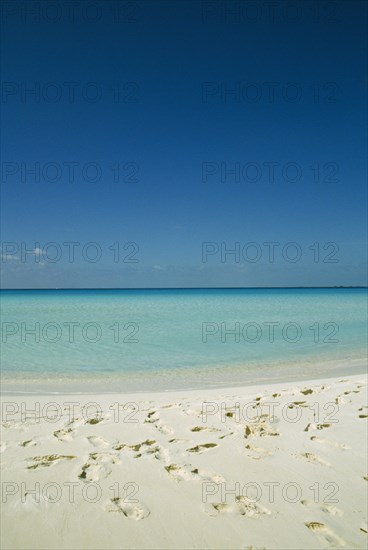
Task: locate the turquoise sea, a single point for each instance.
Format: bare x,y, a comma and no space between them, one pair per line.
112,340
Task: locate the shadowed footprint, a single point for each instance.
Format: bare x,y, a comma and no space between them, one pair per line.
332,510
29,443
203,428
47,460
65,434
200,448
98,466
241,506
94,421
131,510
180,473
313,426
329,442
261,428
96,441
186,472
138,447
257,452
251,509
326,508
314,459
213,509
307,391
325,534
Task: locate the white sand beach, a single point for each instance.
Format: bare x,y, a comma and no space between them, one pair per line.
278,466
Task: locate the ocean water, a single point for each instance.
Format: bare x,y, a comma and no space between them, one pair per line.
109,340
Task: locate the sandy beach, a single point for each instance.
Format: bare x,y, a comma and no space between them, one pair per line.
277,466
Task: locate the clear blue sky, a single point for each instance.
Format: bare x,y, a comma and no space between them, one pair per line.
174,63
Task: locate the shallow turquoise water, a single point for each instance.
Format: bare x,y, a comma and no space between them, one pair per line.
104,333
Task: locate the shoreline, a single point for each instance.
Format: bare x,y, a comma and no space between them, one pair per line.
184,379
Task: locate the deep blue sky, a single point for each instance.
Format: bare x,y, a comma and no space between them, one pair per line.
173,118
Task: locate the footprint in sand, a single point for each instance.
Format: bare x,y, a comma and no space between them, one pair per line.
184,472
149,419
251,509
313,426
131,510
200,448
67,432
329,442
226,435
194,412
64,434
98,467
299,404
75,422
93,421
307,391
47,460
242,506
204,428
326,508
162,428
332,510
28,443
213,509
325,534
340,400
261,428
314,459
146,447
257,452
187,472
96,441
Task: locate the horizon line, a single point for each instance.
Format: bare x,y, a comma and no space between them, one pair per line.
193,288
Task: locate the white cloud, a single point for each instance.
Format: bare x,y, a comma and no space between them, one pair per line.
9,257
